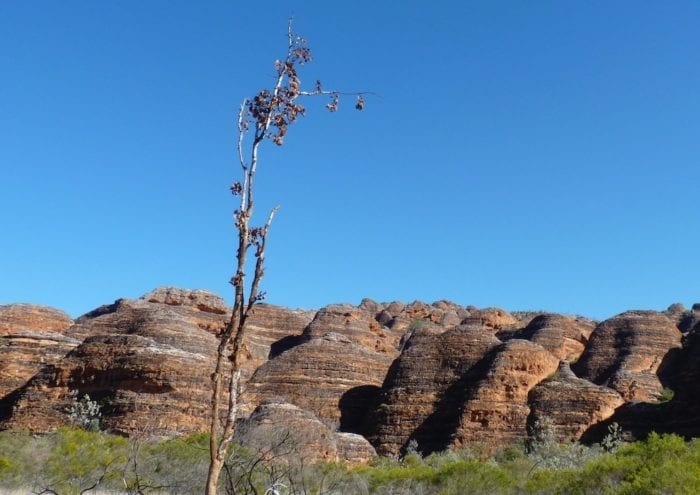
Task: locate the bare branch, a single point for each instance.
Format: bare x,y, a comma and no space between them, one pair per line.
269,115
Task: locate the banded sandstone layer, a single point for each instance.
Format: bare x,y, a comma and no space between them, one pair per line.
440,375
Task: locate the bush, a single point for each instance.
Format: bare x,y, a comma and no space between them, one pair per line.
80,459
666,395
85,414
70,460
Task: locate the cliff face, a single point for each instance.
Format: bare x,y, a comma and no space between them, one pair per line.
571,404
564,336
632,353
417,402
147,362
439,374
29,317
31,337
318,375
496,407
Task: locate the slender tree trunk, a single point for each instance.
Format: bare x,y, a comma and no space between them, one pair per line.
215,467
268,115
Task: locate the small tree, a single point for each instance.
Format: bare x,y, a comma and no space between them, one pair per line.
267,116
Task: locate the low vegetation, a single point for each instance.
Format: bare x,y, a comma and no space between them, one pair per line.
73,461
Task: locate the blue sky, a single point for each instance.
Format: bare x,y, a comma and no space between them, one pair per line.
527,155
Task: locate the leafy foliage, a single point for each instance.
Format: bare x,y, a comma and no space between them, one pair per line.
85,413
70,461
666,395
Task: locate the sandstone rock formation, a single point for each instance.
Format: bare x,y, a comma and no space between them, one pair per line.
317,375
270,331
494,319
202,300
278,429
400,317
147,364
29,317
417,388
631,353
685,319
357,325
440,374
564,336
571,404
24,353
148,314
147,361
31,337
496,408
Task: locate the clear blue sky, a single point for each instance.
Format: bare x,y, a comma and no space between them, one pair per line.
527,155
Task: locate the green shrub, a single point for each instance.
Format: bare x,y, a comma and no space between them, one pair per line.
666,395
80,459
70,460
9,471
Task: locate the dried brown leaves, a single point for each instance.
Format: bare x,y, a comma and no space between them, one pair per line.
271,113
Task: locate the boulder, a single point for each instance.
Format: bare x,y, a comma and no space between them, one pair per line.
286,433
317,375
353,449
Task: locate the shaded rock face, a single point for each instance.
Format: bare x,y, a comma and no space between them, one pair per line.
687,380
317,375
685,319
283,430
571,405
564,336
631,353
415,391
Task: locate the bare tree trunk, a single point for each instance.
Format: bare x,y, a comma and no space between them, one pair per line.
268,115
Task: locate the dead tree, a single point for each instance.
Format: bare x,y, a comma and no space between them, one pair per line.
267,116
